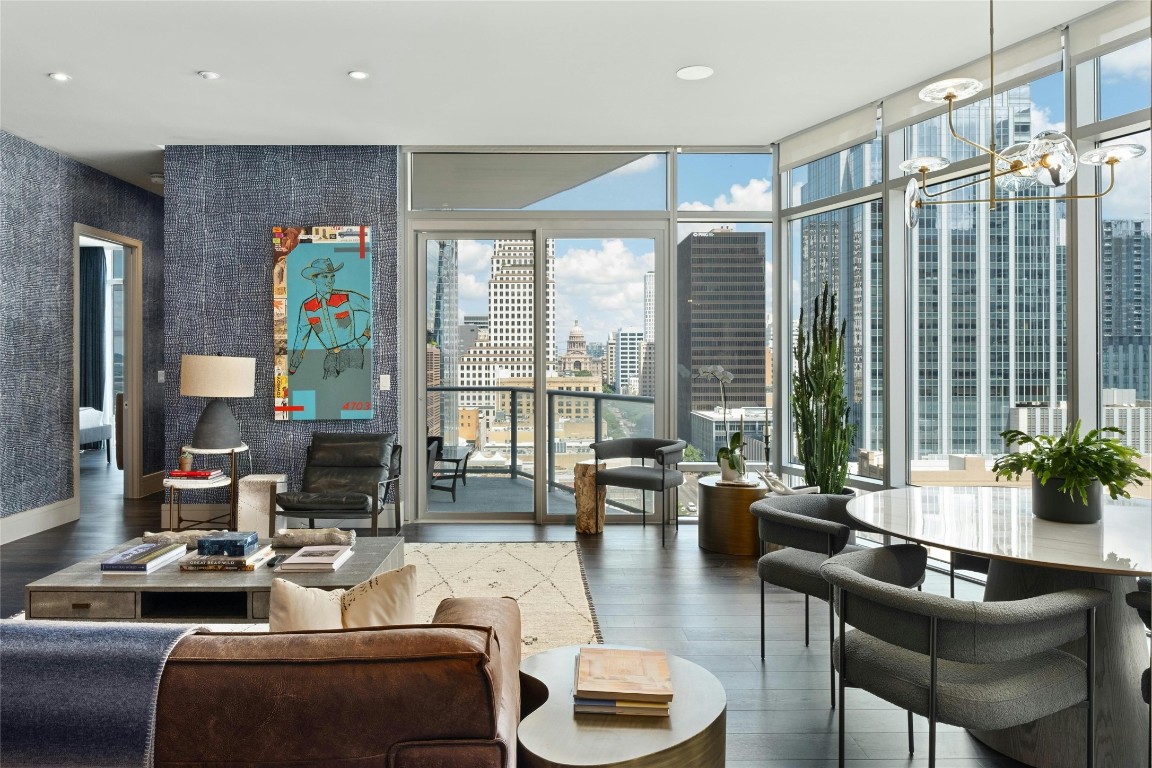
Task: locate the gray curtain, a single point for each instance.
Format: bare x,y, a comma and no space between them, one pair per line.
92,277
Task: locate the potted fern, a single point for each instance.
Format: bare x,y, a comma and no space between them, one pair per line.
819,406
1068,471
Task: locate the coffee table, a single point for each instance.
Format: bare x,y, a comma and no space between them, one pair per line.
552,735
81,591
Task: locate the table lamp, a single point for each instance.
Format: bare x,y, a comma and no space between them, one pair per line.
216,376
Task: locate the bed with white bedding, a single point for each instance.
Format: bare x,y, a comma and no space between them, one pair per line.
94,430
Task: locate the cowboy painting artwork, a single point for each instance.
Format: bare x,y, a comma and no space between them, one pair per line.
322,315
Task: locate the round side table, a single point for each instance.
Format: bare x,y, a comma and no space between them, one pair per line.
725,524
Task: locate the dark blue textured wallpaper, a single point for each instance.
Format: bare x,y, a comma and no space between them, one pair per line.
221,204
42,194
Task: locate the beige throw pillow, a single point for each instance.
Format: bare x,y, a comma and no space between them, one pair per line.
389,598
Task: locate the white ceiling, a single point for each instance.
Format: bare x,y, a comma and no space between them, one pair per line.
469,72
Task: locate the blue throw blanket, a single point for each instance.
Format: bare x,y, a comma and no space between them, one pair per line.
81,693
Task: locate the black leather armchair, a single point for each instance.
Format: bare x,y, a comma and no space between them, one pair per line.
345,476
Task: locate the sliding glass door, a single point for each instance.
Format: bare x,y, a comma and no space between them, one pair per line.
535,346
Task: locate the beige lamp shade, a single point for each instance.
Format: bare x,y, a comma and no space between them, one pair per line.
217,376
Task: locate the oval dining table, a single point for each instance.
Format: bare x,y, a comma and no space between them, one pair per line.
1028,557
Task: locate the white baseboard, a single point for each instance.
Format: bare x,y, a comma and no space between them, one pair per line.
14,527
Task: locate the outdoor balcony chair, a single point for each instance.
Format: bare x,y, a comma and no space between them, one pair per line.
978,665
443,472
658,477
345,476
961,561
811,528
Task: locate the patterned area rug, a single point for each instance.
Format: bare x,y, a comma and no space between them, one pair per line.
547,579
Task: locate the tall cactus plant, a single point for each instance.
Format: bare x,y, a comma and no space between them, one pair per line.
819,405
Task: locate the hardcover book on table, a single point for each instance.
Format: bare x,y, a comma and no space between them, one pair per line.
583,706
619,675
143,558
325,557
194,561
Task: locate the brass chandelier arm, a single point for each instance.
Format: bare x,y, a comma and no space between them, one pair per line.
1026,198
958,137
924,184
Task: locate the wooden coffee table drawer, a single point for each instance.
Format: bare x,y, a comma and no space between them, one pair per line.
82,605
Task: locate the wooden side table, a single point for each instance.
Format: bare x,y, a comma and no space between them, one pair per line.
177,486
589,497
725,524
551,735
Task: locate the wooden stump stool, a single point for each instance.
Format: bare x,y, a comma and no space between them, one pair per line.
589,498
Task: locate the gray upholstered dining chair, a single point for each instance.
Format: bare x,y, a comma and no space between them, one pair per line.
971,664
346,475
659,476
811,527
1141,600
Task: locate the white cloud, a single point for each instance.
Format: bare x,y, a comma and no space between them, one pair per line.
640,165
756,195
1129,63
474,256
1042,120
603,288
1129,199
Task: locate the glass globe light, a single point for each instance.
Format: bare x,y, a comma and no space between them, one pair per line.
920,164
912,198
956,87
1053,156
1023,177
1113,152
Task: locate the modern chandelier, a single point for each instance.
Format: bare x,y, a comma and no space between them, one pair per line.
1048,160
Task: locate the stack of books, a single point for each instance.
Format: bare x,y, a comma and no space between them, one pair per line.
195,475
143,558
194,561
327,557
611,681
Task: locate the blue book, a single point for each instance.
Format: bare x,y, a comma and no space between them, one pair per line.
227,544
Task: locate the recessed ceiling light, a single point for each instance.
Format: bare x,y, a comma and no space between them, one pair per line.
59,77
358,75
209,75
157,178
694,72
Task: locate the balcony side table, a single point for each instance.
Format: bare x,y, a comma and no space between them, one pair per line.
177,486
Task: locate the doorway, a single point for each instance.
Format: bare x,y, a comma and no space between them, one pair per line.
107,366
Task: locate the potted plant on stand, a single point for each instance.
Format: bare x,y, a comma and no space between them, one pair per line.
819,406
730,457
1068,471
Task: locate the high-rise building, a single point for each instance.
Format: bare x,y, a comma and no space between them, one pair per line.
649,306
1126,307
629,351
508,352
721,295
443,335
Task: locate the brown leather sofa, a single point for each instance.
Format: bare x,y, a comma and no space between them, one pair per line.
427,696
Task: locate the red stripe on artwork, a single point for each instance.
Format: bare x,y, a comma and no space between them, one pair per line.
288,408
363,240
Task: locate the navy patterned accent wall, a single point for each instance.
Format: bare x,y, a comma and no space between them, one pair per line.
42,194
221,203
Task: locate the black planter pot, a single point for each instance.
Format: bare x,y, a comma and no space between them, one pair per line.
1049,503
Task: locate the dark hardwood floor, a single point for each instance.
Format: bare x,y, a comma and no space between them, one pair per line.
699,605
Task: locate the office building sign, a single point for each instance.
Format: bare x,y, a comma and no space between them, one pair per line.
322,322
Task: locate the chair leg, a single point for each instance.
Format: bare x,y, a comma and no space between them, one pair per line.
761,620
843,665
805,621
951,574
831,645
643,509
911,741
